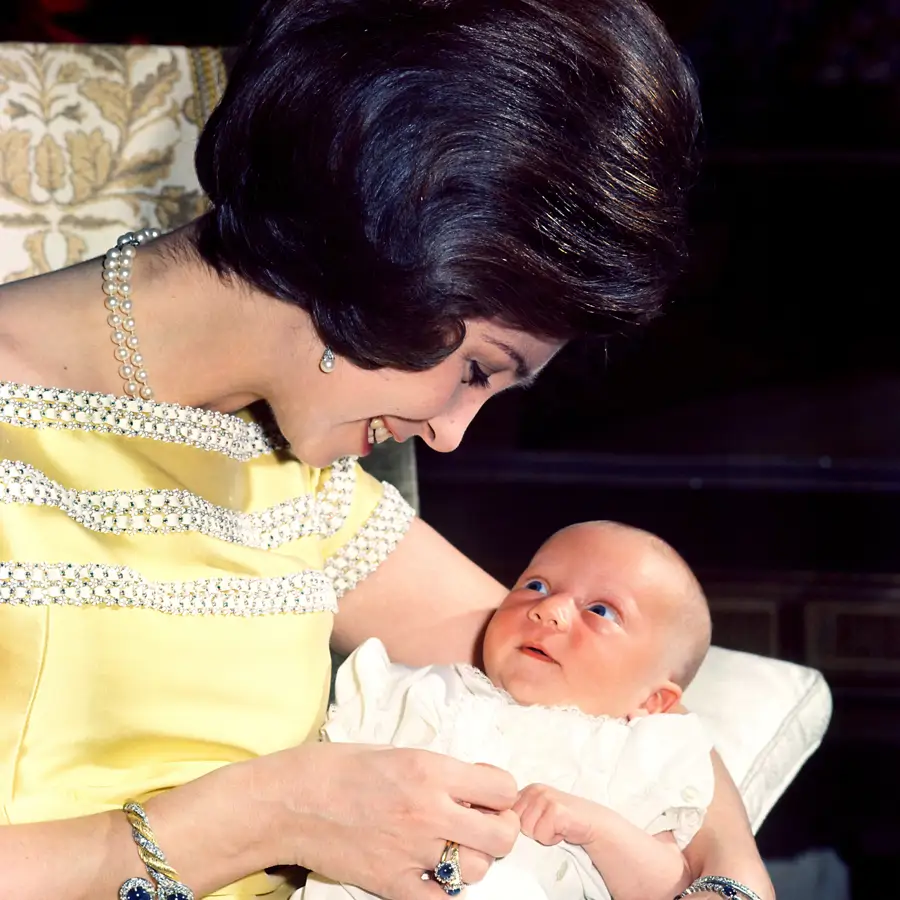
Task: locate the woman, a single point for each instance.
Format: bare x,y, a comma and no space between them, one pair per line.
415,205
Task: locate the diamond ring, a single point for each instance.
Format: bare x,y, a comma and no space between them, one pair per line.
446,872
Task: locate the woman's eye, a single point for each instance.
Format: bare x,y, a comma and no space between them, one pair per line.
535,584
477,376
604,611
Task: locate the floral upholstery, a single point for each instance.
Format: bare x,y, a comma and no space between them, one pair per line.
99,139
95,140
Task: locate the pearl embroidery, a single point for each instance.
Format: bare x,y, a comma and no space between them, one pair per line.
36,407
45,584
372,544
164,512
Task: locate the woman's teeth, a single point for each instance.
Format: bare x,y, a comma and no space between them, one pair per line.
378,432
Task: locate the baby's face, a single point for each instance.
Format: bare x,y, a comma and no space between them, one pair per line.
586,624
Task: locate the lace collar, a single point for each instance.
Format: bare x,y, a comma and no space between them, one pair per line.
480,685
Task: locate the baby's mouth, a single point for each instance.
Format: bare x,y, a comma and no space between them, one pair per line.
537,653
378,431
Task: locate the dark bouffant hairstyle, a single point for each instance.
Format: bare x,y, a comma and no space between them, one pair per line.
396,167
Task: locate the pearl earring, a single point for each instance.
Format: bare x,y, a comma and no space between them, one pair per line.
326,363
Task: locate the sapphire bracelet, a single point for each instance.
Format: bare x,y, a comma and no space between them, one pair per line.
164,883
719,884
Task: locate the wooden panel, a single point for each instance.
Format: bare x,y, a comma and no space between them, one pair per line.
746,624
860,636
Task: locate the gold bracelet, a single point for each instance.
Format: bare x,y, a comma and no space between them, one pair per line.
164,883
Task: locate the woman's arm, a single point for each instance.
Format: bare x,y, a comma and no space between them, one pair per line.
209,829
427,602
375,817
725,844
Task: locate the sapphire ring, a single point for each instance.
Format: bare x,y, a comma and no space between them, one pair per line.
446,872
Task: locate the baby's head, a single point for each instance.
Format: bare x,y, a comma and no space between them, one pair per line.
607,618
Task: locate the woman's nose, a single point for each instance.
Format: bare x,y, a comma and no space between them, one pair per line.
445,432
553,611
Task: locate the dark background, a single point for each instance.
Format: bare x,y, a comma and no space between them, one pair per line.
756,426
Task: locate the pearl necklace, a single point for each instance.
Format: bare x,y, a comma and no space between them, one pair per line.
117,287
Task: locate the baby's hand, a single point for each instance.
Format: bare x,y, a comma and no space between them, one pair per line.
550,816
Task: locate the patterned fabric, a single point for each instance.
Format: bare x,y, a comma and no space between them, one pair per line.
95,141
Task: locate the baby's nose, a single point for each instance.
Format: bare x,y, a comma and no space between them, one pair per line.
554,610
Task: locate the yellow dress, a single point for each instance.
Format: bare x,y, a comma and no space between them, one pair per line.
168,580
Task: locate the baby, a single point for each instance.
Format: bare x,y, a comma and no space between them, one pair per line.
604,630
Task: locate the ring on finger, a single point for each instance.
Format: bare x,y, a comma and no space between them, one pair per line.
446,872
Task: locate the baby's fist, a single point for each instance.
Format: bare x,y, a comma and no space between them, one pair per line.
550,816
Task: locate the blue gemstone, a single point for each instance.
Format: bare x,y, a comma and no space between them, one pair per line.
728,890
137,892
445,871
174,894
452,892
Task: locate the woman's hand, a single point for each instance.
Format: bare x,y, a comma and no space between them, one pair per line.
378,817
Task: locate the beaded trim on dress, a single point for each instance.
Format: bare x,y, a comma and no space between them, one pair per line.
47,584
72,584
39,407
168,511
372,544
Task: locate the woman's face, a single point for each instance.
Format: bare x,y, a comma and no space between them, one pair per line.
330,416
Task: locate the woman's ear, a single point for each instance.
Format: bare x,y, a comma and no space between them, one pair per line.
661,700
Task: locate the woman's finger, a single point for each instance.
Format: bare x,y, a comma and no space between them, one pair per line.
420,887
473,865
480,785
490,833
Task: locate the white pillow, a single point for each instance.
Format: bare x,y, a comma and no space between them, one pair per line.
767,717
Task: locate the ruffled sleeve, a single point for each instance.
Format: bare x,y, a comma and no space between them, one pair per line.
664,779
368,520
380,702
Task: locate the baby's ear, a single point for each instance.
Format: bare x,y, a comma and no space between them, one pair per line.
663,699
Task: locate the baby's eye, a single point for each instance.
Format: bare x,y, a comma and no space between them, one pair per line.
604,611
535,584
